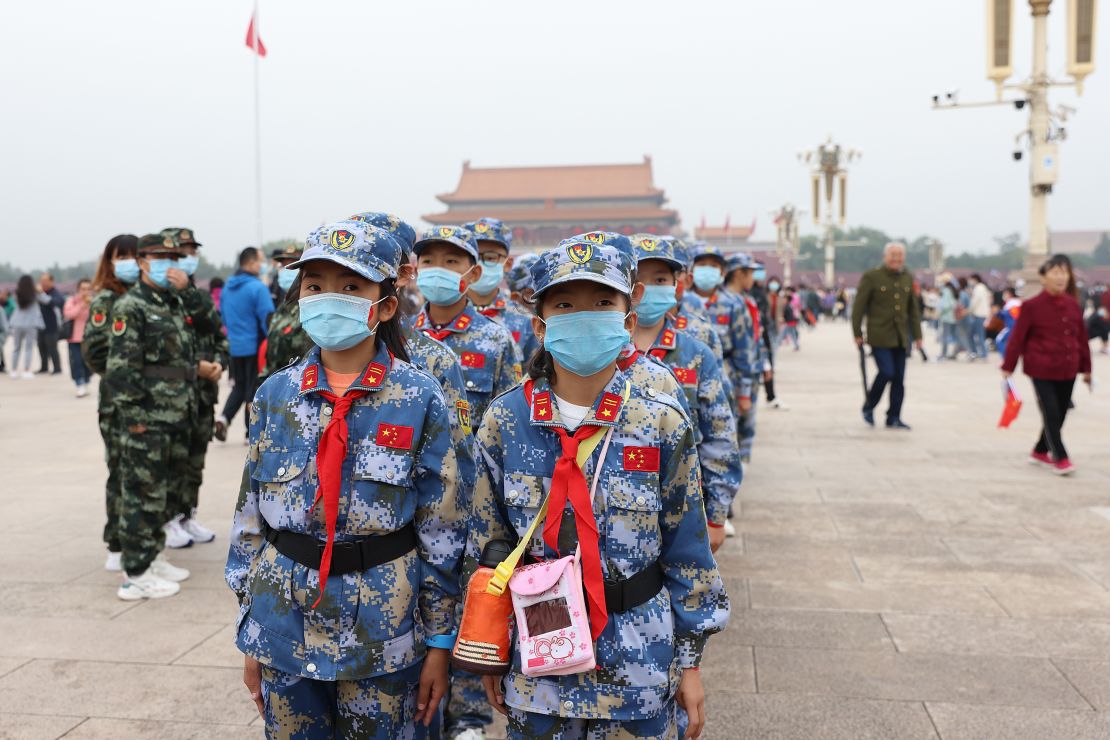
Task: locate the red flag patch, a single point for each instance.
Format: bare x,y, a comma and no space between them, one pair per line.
722,319
392,435
310,378
686,375
609,407
473,359
642,458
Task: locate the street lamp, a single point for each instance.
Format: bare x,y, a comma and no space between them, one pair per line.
786,240
1045,125
826,164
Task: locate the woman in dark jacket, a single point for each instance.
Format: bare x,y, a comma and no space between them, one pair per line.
1051,340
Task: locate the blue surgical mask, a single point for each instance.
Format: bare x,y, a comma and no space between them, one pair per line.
658,299
335,321
773,287
760,275
126,270
492,275
264,270
586,342
707,277
188,264
286,278
157,271
439,285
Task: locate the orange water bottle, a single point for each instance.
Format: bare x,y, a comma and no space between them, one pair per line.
485,637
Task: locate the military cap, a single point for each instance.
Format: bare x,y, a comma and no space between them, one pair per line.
701,249
519,276
182,236
456,235
367,250
400,230
491,229
157,244
651,247
740,261
288,252
585,258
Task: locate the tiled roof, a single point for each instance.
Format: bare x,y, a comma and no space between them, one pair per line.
595,181
717,233
1075,242
569,216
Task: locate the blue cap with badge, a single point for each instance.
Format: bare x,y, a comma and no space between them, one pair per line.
599,256
366,250
652,247
491,229
520,276
400,230
456,235
702,249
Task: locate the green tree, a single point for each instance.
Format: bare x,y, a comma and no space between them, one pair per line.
1102,251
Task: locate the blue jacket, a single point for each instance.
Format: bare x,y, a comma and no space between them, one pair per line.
245,305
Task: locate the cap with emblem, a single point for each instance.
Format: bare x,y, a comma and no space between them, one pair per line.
701,249
740,261
183,236
400,230
586,257
491,229
157,244
366,250
651,247
520,276
289,252
456,235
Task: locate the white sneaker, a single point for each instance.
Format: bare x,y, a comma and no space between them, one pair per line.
146,586
471,733
113,562
780,405
27,375
176,537
82,391
13,374
166,570
196,530
730,531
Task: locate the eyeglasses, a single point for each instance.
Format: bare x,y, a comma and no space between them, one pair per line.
493,258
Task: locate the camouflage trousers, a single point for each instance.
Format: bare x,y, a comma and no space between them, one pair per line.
467,706
298,708
111,488
536,726
148,465
745,426
192,473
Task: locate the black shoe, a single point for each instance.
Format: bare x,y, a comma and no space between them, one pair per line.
869,417
220,430
898,424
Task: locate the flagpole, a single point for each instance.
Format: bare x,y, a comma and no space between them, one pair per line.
257,129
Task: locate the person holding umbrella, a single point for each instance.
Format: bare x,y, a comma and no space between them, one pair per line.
885,297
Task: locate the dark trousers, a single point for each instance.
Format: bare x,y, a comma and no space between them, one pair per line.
1053,399
78,370
892,369
244,374
48,351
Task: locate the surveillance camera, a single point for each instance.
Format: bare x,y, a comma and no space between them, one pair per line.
1017,155
1019,104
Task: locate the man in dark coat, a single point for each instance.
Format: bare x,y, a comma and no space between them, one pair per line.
885,297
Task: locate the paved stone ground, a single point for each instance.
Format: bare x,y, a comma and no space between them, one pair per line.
884,585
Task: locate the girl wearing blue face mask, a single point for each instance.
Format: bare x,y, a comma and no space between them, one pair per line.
630,508
117,271
349,499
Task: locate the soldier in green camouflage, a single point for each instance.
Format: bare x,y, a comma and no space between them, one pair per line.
203,319
115,273
286,342
151,373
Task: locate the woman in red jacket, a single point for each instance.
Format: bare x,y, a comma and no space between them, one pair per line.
1051,340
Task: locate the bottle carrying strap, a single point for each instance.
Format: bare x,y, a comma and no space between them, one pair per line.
504,570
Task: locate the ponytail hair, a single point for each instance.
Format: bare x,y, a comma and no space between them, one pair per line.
541,364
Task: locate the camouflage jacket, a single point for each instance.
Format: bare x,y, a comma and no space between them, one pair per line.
489,358
94,343
700,375
519,323
700,329
371,622
648,508
728,315
648,371
286,341
150,334
211,338
442,364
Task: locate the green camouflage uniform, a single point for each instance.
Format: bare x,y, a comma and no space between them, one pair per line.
94,348
151,375
286,343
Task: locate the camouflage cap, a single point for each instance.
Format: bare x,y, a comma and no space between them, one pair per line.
519,276
367,250
288,252
702,249
456,235
400,230
182,236
586,257
739,261
157,244
651,247
491,229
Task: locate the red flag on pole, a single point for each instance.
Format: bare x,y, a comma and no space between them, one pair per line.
254,39
728,220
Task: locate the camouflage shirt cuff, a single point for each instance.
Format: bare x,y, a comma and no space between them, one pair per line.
689,649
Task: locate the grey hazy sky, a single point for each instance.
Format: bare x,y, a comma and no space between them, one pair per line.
130,115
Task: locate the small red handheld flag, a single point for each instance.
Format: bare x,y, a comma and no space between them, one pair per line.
1011,405
254,39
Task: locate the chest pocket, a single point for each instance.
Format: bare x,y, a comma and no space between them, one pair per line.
478,379
381,496
632,521
523,497
162,340
285,478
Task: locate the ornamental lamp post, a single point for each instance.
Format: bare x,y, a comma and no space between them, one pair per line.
827,168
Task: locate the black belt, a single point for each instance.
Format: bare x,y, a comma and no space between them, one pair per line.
346,557
164,372
622,596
